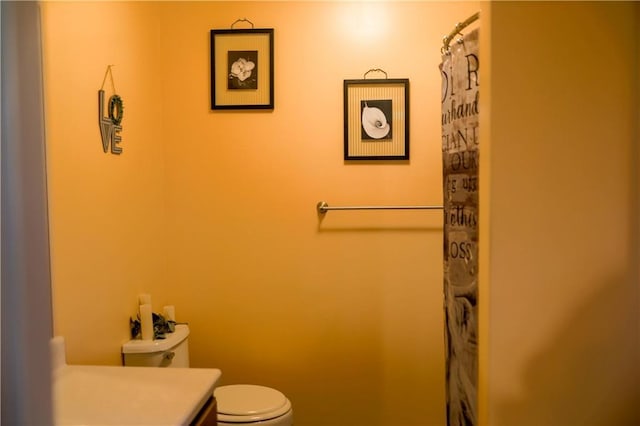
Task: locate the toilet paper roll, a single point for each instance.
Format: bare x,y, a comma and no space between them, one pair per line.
169,313
146,322
144,299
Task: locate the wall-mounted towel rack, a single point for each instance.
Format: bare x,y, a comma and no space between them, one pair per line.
323,207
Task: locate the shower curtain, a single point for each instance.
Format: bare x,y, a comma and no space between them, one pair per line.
460,149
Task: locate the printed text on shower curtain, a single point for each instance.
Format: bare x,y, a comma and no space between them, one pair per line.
460,150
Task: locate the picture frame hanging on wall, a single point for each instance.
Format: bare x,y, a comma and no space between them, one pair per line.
242,71
376,119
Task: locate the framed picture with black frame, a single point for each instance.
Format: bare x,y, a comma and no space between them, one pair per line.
376,119
242,71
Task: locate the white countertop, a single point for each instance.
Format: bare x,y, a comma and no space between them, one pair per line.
127,396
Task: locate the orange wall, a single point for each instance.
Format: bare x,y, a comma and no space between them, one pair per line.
106,211
215,211
560,287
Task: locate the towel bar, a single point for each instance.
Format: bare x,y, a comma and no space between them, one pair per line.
323,207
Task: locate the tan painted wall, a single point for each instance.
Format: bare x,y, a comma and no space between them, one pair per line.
560,283
106,211
214,212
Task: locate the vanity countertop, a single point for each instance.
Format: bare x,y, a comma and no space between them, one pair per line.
112,395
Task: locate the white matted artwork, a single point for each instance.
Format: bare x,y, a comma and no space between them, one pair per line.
376,119
242,70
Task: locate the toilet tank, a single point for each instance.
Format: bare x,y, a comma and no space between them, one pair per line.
173,351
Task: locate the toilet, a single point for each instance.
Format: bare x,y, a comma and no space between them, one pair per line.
241,404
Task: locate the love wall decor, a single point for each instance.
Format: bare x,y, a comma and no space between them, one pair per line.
110,126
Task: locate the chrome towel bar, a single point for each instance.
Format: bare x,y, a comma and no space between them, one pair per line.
323,207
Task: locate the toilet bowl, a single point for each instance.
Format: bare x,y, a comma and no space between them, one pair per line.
252,405
237,404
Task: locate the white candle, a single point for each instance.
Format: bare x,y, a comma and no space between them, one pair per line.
146,322
169,313
144,299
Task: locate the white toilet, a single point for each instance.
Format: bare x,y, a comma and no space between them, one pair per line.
237,404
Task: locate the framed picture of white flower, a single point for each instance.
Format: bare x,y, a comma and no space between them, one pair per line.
376,119
242,69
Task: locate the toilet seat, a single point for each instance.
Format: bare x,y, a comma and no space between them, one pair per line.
250,403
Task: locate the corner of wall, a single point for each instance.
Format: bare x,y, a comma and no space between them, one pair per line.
485,212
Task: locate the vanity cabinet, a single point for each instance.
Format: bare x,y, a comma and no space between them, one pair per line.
208,415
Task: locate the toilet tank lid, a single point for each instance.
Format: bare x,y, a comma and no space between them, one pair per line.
139,346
